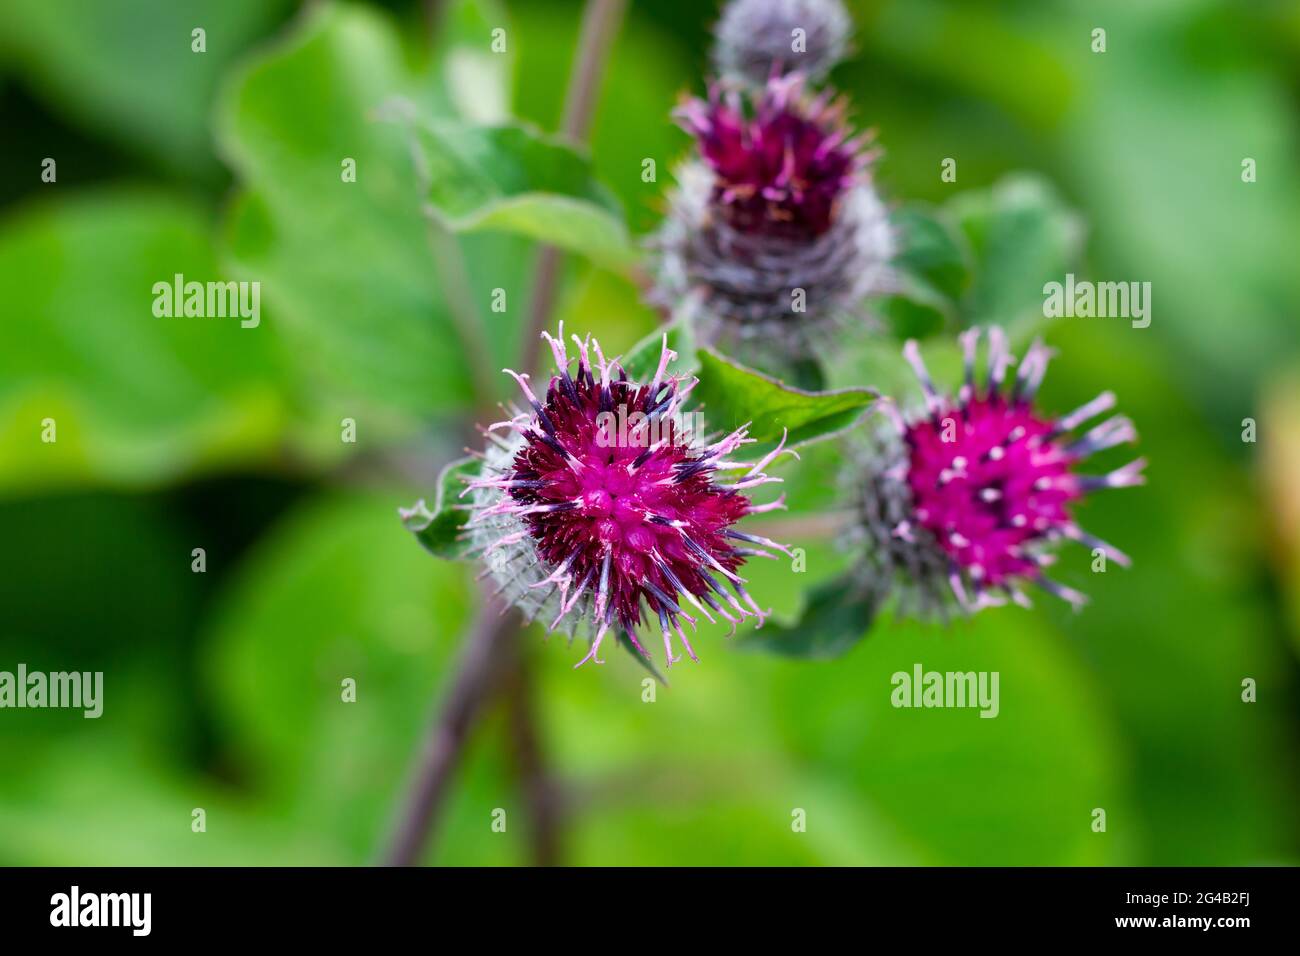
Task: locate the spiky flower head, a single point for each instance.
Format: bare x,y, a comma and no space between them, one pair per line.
601,504
754,38
775,222
976,489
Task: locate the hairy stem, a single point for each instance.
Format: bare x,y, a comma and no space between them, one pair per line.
600,23
477,676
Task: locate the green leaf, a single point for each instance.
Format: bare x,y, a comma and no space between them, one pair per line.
134,398
915,312
439,530
933,272
930,251
128,70
647,62
732,394
807,373
515,180
334,592
347,266
1022,236
981,258
837,615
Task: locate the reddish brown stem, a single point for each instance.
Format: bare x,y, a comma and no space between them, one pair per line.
476,678
541,791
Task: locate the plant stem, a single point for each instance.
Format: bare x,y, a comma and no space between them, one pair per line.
540,790
600,23
476,678
487,648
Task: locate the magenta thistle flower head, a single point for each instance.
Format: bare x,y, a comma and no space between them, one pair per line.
754,38
775,221
782,169
983,483
599,504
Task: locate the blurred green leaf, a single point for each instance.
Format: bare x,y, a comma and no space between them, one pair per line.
347,266
1170,203
963,789
837,615
136,603
476,79
1174,635
916,311
127,68
134,398
932,270
896,785
511,179
732,395
94,801
439,530
335,593
1022,236
929,250
982,258
980,55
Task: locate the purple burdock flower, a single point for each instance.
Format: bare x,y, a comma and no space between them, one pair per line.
978,486
756,37
598,505
775,223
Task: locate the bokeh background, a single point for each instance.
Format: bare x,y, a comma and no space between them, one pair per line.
222,688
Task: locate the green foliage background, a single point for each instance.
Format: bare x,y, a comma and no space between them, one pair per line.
222,689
